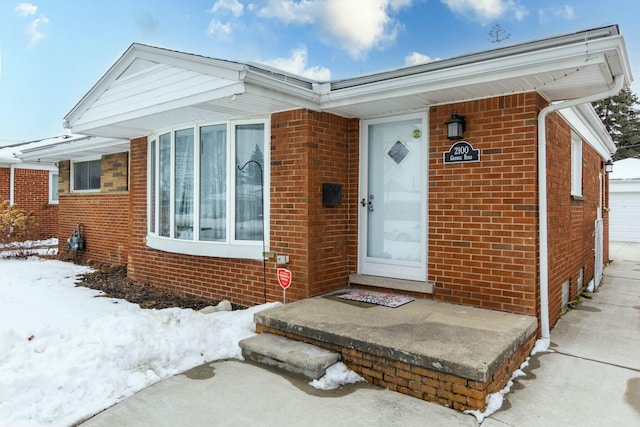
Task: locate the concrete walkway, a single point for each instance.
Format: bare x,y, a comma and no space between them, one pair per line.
591,379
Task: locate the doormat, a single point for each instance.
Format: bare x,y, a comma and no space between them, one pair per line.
379,298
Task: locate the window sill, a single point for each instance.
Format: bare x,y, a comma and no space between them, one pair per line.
211,249
578,198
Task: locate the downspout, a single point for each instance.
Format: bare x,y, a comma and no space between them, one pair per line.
12,182
542,196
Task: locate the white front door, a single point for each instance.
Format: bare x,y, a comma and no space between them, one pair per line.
393,197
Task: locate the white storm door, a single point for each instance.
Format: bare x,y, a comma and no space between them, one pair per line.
393,198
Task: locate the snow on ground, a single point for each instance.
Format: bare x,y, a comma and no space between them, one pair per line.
65,354
47,247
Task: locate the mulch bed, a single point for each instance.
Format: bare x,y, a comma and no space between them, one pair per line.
114,283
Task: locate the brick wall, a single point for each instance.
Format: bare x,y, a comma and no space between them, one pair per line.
308,149
571,220
31,193
5,179
483,247
483,216
104,214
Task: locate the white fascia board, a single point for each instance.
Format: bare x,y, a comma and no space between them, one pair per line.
72,147
200,64
224,69
224,92
449,74
584,120
9,156
37,166
9,160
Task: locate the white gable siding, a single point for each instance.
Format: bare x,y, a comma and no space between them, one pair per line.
152,90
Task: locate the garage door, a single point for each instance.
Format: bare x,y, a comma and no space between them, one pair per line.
624,216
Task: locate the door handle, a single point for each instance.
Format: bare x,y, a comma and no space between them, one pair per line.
364,202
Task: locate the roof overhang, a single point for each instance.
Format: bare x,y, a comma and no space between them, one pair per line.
150,89
74,148
584,120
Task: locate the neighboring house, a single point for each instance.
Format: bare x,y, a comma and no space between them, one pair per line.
362,185
624,201
30,185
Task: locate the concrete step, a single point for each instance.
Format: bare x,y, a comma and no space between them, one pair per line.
284,353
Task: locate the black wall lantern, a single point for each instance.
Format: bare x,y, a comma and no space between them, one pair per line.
455,127
608,166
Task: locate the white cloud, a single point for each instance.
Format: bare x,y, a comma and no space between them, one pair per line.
564,12
291,11
218,29
297,64
415,58
25,9
232,6
354,25
486,11
33,30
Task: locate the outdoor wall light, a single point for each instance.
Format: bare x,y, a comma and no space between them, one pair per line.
455,127
608,166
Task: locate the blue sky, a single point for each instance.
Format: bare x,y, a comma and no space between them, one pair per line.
53,51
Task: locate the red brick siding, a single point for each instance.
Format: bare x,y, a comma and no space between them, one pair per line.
104,214
571,221
106,226
483,216
31,193
5,179
308,149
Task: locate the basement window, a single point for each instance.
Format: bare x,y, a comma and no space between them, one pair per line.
199,201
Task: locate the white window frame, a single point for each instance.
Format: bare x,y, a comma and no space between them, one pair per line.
229,248
53,190
72,175
576,165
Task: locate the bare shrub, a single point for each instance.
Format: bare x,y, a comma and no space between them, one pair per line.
16,225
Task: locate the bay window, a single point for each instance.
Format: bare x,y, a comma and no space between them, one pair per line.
199,201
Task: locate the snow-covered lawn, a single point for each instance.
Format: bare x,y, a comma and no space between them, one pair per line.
65,354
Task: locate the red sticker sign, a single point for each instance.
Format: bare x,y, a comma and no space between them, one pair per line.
284,277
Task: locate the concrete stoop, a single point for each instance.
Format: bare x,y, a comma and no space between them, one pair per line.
294,356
